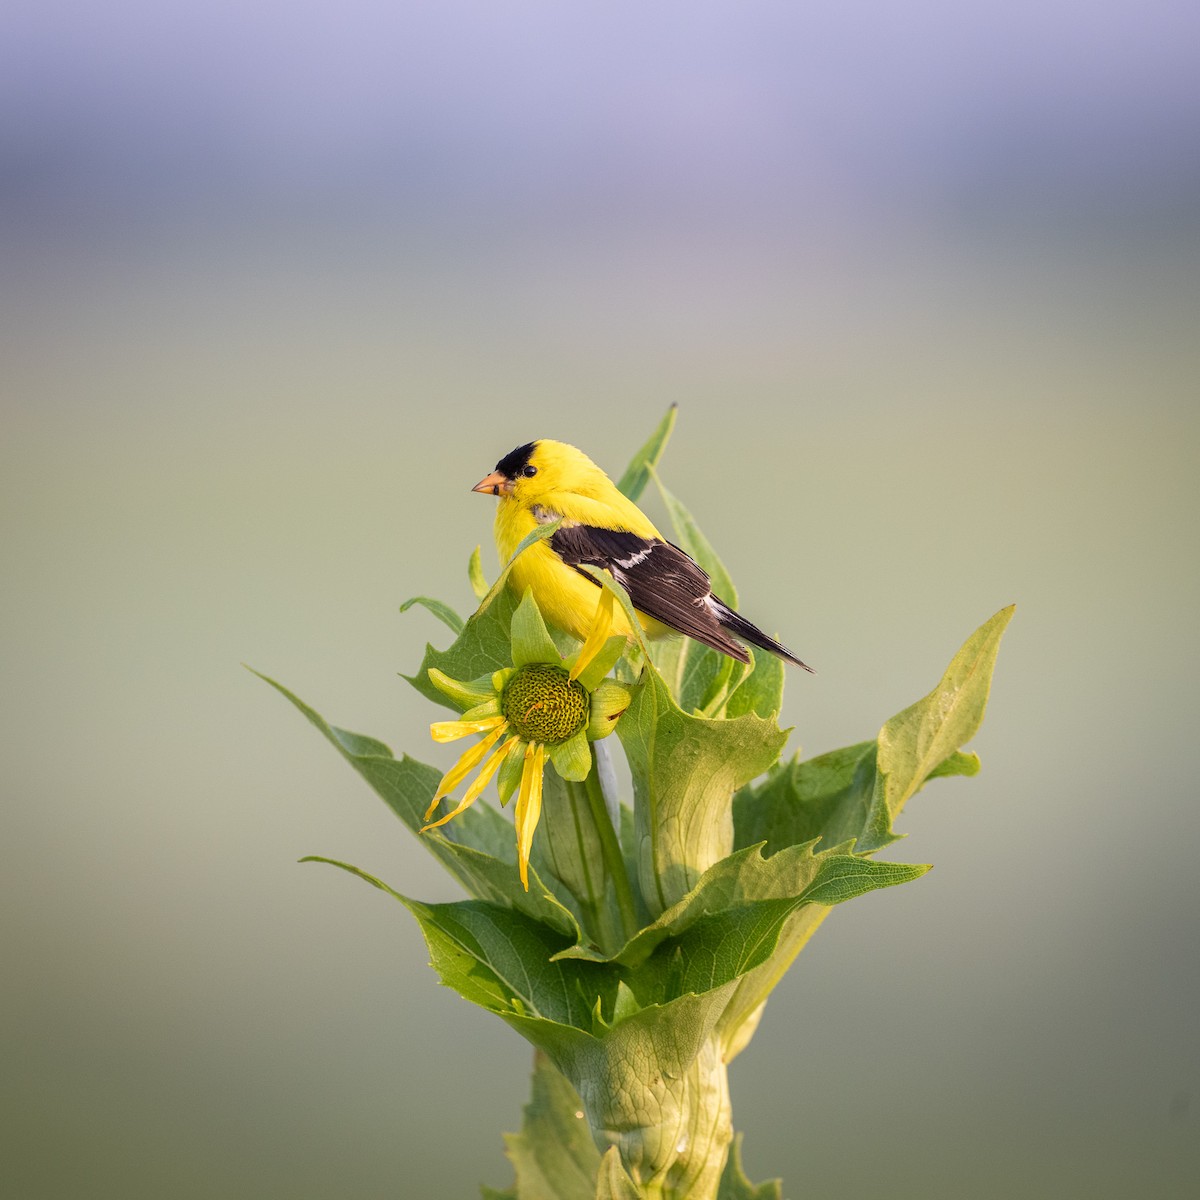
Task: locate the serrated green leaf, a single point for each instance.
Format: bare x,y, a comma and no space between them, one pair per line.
744,1006
442,611
554,1155
735,1185
500,959
731,887
843,795
478,847
826,797
685,771
848,793
479,583
633,482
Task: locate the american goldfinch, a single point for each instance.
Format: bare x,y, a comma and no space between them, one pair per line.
542,481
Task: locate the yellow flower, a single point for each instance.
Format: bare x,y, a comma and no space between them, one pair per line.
543,706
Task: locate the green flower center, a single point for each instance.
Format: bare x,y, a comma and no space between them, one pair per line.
543,704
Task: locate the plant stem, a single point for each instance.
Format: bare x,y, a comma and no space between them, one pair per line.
611,849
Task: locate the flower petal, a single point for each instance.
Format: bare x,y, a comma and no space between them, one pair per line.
464,766
531,643
510,772
572,759
529,806
609,701
466,695
591,675
480,781
451,731
489,708
597,635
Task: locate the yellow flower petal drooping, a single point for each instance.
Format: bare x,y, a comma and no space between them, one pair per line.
529,806
598,634
489,768
463,767
451,731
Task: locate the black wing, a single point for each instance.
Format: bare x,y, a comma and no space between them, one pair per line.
662,581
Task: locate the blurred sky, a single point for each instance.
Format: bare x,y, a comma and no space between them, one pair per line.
281,282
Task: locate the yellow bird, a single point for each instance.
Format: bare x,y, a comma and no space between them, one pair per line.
539,483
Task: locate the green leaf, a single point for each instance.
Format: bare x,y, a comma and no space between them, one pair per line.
484,644
479,583
481,648
735,884
572,759
851,793
702,679
500,959
466,694
554,1155
826,797
957,763
761,691
606,658
669,655
916,741
443,612
735,1185
568,852
531,643
664,1116
857,792
613,1182
637,474
478,847
693,542
685,771
727,680
700,675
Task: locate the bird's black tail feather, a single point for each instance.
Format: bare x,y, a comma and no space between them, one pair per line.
741,628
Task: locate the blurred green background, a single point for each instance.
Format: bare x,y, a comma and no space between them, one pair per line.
280,284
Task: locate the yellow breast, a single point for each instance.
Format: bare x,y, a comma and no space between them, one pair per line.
566,598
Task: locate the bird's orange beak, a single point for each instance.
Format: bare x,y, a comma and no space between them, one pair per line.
494,484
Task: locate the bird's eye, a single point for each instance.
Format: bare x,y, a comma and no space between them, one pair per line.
528,471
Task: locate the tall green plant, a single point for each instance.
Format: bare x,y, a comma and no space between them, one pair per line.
653,927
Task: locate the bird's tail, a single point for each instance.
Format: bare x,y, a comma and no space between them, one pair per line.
741,628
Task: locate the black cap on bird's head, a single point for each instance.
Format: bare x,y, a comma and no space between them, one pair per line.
511,467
